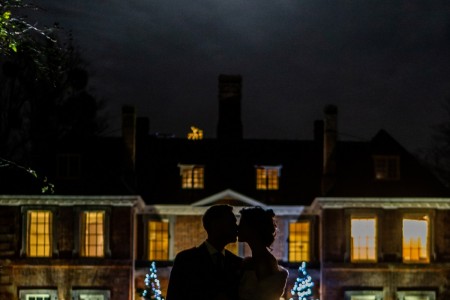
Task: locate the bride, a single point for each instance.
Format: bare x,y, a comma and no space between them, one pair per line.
262,277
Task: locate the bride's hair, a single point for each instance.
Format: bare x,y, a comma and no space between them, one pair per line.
262,222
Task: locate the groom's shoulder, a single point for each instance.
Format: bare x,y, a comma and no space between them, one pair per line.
191,252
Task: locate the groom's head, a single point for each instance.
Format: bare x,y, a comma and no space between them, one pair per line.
219,222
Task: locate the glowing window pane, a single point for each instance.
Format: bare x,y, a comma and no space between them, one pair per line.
192,177
417,298
158,240
363,239
37,297
39,233
415,240
233,248
363,297
299,241
92,297
92,236
267,178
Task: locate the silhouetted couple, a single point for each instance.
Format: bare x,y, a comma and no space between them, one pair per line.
209,272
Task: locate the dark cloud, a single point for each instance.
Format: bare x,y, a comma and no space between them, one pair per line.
384,63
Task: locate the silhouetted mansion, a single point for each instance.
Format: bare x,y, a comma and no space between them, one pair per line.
371,222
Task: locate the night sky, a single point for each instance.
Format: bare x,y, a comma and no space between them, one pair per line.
384,63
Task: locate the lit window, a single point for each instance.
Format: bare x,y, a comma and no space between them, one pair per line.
37,297
92,297
267,177
363,295
192,176
91,294
387,167
299,241
363,239
69,166
158,240
32,294
39,233
416,295
92,234
416,239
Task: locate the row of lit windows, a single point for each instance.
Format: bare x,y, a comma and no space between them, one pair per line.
298,245
268,177
363,245
400,295
364,239
50,294
193,177
39,233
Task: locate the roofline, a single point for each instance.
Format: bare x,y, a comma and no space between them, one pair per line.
379,202
189,210
229,193
65,200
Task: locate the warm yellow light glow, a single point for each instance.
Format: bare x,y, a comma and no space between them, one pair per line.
39,233
158,240
267,178
233,248
193,177
93,234
299,241
195,134
415,240
363,297
363,239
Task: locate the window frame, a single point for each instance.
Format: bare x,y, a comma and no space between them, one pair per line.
192,176
146,219
376,242
25,234
52,293
79,212
148,241
85,235
362,213
265,184
400,295
310,241
376,293
417,215
386,159
76,294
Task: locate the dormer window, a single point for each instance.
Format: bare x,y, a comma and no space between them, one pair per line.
268,177
192,176
386,167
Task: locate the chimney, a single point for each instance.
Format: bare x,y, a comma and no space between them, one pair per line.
129,130
230,125
329,148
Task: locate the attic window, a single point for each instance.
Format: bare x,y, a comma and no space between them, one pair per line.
192,176
386,167
268,177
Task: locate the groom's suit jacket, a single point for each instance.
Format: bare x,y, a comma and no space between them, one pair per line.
196,276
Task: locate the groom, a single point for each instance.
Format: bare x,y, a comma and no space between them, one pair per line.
208,272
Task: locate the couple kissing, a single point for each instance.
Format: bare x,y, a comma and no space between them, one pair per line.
210,272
